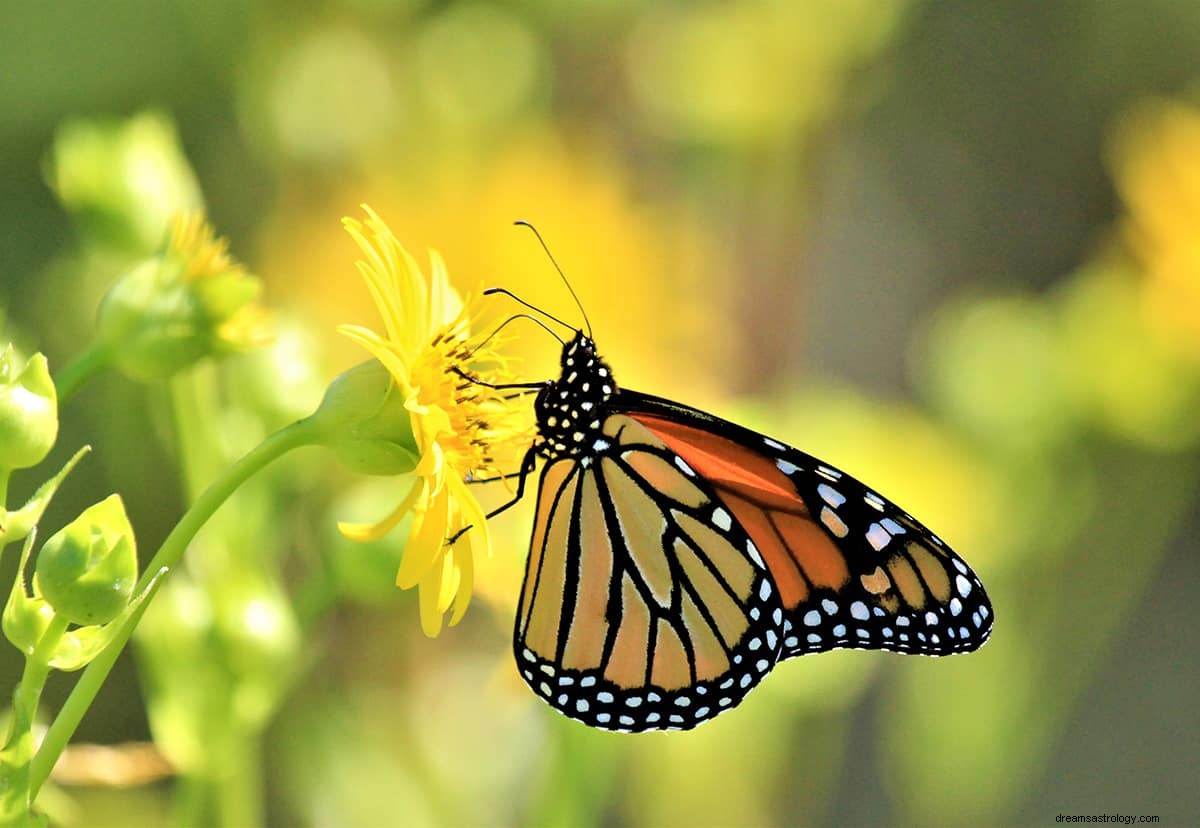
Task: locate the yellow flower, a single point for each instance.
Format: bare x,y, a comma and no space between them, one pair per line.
191,301
1157,159
462,430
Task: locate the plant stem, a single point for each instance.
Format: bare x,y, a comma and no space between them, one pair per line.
85,365
300,433
18,791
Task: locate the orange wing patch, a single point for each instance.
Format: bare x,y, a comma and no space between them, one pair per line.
798,552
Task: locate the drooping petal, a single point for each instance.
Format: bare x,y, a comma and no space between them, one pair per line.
426,540
364,532
451,578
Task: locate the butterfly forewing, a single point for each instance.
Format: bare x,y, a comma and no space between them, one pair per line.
645,604
852,569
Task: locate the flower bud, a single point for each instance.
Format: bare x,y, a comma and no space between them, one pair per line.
25,618
365,422
123,180
88,569
28,411
189,302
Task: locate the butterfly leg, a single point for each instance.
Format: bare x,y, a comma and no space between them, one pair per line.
527,465
504,387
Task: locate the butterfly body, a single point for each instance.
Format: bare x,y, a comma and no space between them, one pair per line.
677,557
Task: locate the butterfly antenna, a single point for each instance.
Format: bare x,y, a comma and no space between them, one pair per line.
574,295
505,291
508,322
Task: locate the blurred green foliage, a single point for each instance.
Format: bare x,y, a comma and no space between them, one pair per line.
949,247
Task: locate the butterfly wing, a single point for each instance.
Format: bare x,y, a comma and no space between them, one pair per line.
852,569
645,604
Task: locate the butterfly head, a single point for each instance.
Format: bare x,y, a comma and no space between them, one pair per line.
570,409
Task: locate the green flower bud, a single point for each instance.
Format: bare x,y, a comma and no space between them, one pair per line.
25,618
123,180
88,569
365,422
28,411
189,302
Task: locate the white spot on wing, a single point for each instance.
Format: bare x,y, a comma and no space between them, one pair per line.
721,519
830,495
752,551
877,536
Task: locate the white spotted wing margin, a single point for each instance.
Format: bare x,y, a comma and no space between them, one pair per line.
644,606
899,588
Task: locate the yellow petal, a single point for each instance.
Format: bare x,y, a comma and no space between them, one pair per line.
445,305
432,424
472,515
464,556
398,364
432,467
431,617
451,578
375,273
364,532
426,541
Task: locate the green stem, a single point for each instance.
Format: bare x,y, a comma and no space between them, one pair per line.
18,790
300,433
82,368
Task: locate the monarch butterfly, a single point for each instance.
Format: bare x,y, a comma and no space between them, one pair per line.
677,557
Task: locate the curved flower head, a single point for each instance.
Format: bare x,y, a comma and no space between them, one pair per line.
463,431
188,302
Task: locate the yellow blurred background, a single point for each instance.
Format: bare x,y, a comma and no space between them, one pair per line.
953,248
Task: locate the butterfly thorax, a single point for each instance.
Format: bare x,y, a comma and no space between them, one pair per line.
570,410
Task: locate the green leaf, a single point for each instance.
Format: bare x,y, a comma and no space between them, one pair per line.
15,526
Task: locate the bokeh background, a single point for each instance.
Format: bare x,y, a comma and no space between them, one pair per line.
951,247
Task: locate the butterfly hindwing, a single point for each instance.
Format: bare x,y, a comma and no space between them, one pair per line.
645,604
852,569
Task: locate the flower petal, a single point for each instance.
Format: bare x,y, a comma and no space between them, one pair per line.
426,540
364,532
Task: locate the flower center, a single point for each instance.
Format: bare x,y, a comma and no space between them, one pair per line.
483,434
